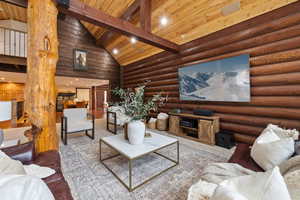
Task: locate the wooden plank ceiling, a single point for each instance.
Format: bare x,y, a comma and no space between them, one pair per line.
188,20
9,11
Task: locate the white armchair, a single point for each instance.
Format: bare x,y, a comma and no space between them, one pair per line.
116,117
76,120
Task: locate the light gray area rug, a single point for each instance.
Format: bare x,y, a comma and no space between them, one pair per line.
90,180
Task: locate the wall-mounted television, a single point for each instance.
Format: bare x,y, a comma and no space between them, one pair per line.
221,80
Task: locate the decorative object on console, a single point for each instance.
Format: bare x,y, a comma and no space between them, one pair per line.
80,60
175,110
203,112
5,114
138,110
190,123
225,139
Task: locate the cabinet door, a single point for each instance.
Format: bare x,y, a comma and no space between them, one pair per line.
174,125
205,131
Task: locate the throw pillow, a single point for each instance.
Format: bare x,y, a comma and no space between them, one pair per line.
269,150
283,133
23,187
10,166
261,185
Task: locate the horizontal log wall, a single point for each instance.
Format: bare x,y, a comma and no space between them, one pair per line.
273,42
101,65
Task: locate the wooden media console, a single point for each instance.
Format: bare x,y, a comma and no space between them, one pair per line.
205,130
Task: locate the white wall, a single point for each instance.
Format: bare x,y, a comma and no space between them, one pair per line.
83,94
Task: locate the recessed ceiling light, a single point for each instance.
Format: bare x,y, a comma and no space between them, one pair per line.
115,51
77,79
133,40
164,21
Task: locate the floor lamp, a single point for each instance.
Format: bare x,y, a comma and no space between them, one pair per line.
5,114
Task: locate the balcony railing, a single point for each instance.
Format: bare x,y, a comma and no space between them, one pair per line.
13,43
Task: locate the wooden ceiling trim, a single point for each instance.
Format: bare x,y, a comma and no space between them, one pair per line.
86,13
107,36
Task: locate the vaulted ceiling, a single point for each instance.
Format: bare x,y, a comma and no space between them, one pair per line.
188,20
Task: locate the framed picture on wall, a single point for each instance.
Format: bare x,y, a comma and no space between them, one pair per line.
80,60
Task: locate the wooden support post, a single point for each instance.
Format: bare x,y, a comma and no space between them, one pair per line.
14,117
42,57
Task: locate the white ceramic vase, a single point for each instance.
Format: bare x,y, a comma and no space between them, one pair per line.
136,132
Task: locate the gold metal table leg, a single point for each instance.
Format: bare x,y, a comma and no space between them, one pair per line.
130,186
130,174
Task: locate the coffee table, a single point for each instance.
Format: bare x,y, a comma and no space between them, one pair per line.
132,152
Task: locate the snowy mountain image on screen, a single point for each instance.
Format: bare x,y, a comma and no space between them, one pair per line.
216,81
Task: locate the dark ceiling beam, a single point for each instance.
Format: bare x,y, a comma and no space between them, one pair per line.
94,16
108,35
145,15
21,3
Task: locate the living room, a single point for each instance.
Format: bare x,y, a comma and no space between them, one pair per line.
201,99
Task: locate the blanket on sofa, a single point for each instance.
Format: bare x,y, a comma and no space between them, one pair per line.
215,173
212,175
290,171
218,172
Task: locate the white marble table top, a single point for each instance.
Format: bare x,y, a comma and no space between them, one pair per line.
150,144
